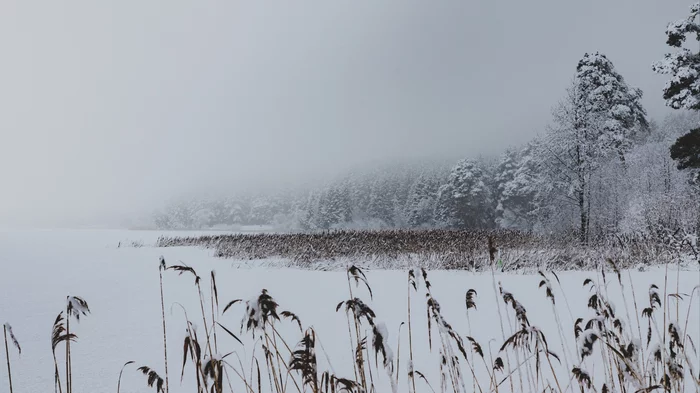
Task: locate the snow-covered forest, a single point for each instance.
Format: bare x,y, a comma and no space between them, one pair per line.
601,166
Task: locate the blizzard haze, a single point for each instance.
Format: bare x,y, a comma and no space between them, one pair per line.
109,108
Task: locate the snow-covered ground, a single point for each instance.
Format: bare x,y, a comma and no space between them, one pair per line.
40,268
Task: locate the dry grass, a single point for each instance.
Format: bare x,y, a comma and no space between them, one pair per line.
7,329
522,362
443,249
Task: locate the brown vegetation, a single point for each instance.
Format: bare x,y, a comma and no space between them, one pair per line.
445,249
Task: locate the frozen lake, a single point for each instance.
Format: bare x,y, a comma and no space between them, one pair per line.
40,268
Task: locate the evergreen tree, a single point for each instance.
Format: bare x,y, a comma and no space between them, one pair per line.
420,202
686,150
261,210
612,111
682,91
465,201
311,219
445,214
504,175
518,183
381,206
338,209
323,218
182,214
360,190
233,211
597,119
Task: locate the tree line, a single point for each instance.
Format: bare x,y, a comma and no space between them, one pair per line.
601,167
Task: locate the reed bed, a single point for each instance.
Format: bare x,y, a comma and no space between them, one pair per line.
443,249
641,346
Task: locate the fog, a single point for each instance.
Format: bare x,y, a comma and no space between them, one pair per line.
108,108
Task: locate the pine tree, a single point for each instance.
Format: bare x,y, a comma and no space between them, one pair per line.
182,214
686,150
323,219
504,175
233,211
381,206
518,183
310,219
682,91
445,214
360,190
609,104
420,203
465,201
338,210
597,120
261,210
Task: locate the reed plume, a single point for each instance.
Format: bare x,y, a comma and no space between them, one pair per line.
8,329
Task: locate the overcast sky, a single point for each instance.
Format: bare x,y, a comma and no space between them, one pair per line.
108,107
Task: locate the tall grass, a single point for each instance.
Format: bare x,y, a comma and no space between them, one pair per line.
444,249
463,364
162,266
612,355
75,307
121,372
7,329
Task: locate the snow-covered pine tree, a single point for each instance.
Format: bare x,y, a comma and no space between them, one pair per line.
503,175
203,217
359,189
262,209
218,211
309,218
518,182
465,201
686,150
682,91
609,103
338,208
381,205
597,120
420,203
233,211
445,213
400,183
182,213
323,218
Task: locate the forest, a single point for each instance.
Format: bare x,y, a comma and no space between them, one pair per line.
530,187
600,167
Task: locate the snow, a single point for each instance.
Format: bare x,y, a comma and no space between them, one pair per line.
681,90
383,332
77,306
120,284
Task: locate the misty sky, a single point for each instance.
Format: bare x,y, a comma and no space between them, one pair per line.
109,107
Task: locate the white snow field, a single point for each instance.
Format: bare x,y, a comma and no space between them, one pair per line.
40,268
